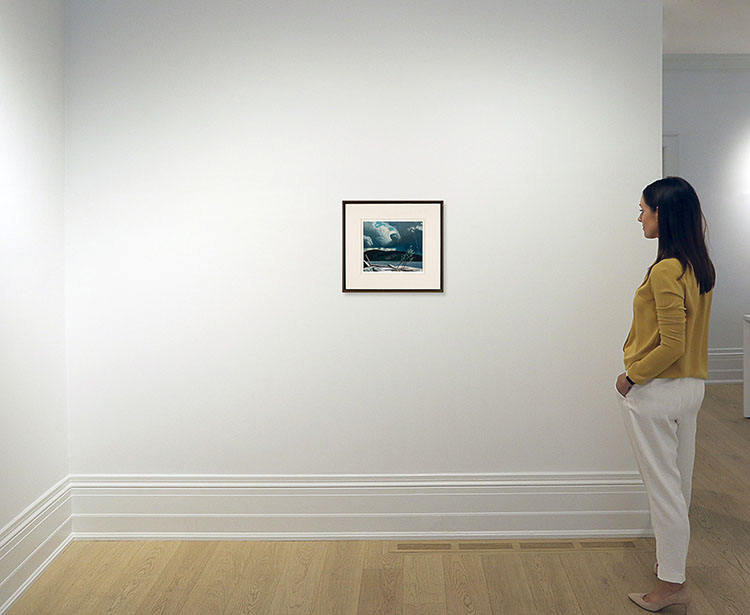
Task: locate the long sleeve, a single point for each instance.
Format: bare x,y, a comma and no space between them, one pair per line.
669,297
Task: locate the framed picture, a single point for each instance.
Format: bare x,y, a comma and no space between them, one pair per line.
393,246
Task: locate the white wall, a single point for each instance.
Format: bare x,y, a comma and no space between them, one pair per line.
209,148
708,108
33,421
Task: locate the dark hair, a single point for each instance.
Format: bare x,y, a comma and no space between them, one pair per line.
682,228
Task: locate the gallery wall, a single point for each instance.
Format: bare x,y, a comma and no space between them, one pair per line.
706,101
209,148
33,421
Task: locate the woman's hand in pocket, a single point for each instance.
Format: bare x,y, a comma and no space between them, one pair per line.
622,385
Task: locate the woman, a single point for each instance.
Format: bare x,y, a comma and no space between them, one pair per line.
666,362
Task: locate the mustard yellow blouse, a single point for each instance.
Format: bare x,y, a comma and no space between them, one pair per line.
669,334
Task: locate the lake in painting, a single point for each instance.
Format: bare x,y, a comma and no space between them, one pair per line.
392,247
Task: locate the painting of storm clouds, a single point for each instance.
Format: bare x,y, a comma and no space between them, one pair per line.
391,247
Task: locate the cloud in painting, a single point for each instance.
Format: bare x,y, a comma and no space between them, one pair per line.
381,234
401,235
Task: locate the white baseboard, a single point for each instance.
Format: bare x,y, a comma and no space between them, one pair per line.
30,542
317,507
359,507
725,365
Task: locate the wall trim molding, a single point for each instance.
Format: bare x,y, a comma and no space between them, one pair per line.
706,61
32,540
347,481
317,507
33,511
361,507
725,365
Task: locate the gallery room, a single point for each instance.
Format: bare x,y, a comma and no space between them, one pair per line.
320,306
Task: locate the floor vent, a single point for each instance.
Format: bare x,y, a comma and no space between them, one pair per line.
547,546
484,546
522,546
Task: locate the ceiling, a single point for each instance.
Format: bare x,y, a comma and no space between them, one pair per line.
707,26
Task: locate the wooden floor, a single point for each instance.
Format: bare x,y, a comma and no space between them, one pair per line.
380,577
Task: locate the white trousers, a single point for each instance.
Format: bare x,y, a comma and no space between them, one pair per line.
660,418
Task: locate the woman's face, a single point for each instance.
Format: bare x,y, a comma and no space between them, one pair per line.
649,218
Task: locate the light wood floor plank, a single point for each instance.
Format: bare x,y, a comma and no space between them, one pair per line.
105,593
89,580
131,585
381,591
259,580
215,586
552,592
424,584
508,587
341,579
591,585
375,551
626,572
171,589
726,400
717,590
301,573
465,585
729,536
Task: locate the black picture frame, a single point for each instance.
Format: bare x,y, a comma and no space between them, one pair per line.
418,269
